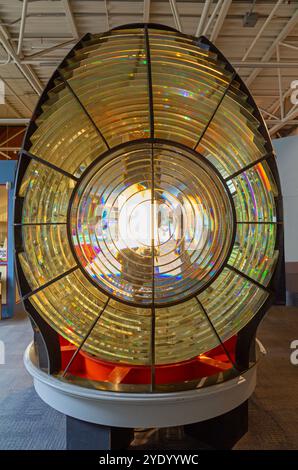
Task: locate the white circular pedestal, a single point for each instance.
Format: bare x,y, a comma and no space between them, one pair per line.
132,410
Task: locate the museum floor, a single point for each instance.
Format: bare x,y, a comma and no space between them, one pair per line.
27,423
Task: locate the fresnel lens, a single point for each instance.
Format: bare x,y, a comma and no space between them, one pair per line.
147,215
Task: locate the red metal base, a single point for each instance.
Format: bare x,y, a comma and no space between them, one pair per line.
91,368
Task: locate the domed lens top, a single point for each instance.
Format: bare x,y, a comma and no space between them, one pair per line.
152,223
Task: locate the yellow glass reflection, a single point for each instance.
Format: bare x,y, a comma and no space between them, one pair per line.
122,334
70,306
117,101
65,136
46,194
46,253
152,222
231,302
151,227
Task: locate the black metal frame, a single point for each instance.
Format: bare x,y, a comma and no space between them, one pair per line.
245,343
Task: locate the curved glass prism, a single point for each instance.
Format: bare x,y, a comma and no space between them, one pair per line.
148,213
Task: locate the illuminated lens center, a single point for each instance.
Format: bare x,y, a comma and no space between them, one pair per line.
143,220
151,225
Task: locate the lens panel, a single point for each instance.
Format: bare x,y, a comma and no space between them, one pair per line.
147,221
151,224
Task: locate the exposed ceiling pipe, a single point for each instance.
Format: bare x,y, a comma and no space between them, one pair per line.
255,65
36,87
49,49
212,16
290,122
14,121
22,27
260,32
30,76
290,46
275,106
203,17
268,114
281,101
10,149
12,137
107,14
220,20
70,18
176,15
269,53
7,61
146,11
290,117
5,155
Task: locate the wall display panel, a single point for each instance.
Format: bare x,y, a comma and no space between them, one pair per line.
148,224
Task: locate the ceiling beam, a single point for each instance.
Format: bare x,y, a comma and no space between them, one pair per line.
146,11
46,51
26,71
22,27
275,106
286,121
203,17
14,121
17,97
12,137
70,18
269,53
289,46
290,122
261,30
279,79
220,20
261,65
107,13
10,149
212,16
5,155
176,15
273,116
54,61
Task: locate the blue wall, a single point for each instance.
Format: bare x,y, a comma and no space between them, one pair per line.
7,175
287,161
